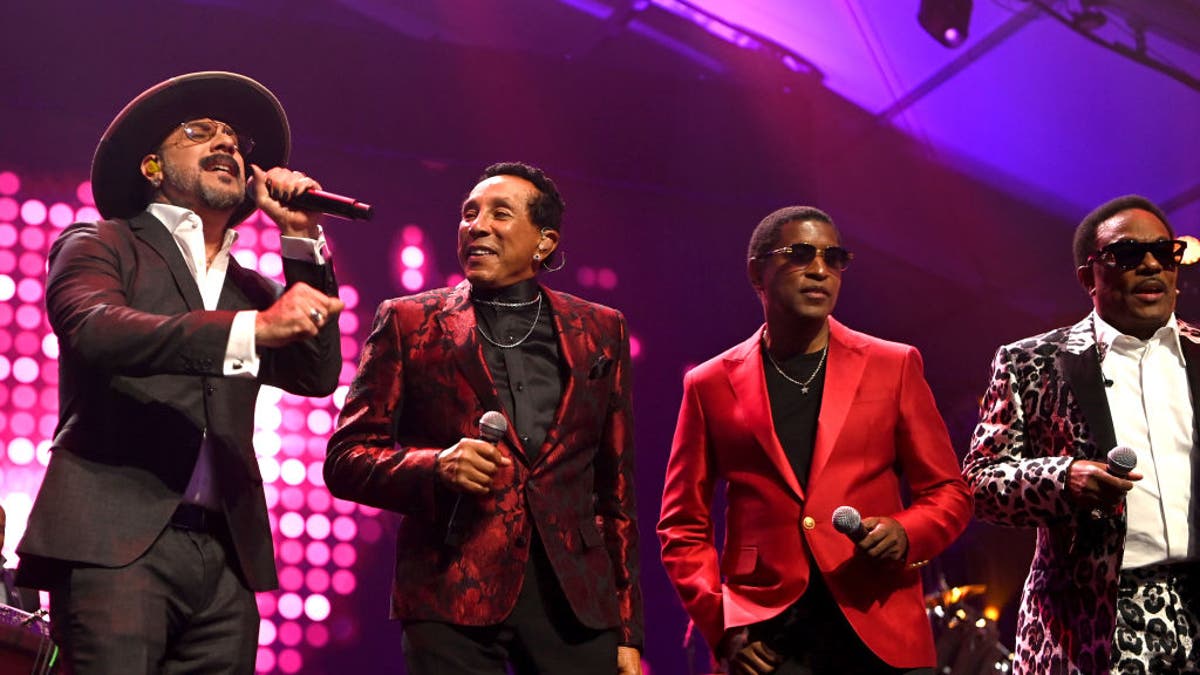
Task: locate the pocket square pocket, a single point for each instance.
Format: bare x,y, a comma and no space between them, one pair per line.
600,368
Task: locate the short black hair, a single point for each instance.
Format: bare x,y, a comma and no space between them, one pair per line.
1085,233
766,235
546,208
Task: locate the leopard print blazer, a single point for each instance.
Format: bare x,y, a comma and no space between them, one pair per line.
1045,408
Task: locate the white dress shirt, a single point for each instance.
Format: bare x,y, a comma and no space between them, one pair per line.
241,358
1151,407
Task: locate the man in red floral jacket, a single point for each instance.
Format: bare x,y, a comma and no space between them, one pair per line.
522,551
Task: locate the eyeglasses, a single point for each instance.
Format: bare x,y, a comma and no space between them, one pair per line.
1129,255
802,255
202,131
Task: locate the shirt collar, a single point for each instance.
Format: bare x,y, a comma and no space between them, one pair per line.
174,217
1107,336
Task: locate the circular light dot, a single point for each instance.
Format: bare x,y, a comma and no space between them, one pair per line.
83,192
265,661
344,555
317,553
29,290
344,529
412,257
412,279
87,214
317,580
47,424
10,184
290,606
291,524
586,276
21,451
316,635
247,235
31,264
27,343
291,579
25,369
316,474
33,212
246,258
291,552
268,417
348,321
266,603
7,288
8,261
292,499
316,607
266,632
24,396
339,396
320,422
33,238
606,279
61,215
290,661
344,582
340,505
271,495
292,471
635,347
49,394
270,395
454,279
348,295
270,264
412,235
269,468
290,633
50,346
43,453
29,317
5,368
268,239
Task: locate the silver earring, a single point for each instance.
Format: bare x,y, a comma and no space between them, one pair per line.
537,257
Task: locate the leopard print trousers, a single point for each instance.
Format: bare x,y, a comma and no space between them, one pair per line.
1158,620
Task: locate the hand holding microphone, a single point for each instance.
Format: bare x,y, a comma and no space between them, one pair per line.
880,538
1100,488
469,465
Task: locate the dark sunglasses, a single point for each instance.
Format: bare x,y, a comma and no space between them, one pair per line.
1129,255
802,255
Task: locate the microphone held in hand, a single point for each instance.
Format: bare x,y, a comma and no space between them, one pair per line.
492,427
1121,460
847,520
332,204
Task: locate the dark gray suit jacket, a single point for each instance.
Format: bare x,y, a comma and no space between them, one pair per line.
140,384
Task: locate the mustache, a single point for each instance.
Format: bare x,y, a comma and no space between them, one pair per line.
221,159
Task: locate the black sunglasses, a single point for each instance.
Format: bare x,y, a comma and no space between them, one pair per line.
1129,255
802,255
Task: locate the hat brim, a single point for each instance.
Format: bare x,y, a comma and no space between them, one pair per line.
117,182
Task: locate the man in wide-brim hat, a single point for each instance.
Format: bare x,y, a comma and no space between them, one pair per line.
150,530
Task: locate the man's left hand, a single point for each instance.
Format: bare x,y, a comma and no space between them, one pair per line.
272,188
629,661
886,539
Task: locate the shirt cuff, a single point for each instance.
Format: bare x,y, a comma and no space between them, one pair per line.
314,251
240,358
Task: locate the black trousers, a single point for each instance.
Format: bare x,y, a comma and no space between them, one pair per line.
816,639
180,608
540,637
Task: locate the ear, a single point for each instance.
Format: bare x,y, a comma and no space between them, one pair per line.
548,242
1087,278
754,271
151,168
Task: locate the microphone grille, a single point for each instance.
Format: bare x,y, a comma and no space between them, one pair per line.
492,426
1123,457
846,519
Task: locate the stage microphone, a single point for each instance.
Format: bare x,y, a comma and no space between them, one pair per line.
492,427
1121,460
334,205
847,520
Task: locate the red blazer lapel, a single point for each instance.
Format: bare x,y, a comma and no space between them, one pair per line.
576,346
457,319
845,363
745,371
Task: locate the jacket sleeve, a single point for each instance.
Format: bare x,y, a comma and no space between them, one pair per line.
615,500
363,463
89,309
941,502
308,367
685,527
1015,484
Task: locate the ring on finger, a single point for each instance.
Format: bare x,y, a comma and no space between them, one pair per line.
316,316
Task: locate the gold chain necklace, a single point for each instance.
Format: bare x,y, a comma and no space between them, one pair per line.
803,385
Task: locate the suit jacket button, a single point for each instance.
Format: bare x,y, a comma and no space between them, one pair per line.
809,522
209,389
521,541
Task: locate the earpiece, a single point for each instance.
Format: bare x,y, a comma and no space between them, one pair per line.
152,166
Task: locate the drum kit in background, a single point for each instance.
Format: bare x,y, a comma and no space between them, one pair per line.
966,637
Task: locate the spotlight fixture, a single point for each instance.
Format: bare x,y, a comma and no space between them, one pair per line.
946,20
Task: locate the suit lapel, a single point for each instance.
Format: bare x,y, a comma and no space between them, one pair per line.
845,362
151,230
457,319
1082,372
745,371
576,346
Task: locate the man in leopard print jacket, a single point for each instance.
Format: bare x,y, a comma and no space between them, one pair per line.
1114,583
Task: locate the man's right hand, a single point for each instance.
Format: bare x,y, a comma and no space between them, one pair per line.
298,314
746,658
470,464
1091,486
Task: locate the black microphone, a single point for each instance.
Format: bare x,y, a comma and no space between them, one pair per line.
847,520
1121,460
332,204
492,427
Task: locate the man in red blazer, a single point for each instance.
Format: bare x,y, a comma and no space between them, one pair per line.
803,417
521,550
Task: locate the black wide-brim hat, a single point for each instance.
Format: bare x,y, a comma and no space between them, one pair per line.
118,185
